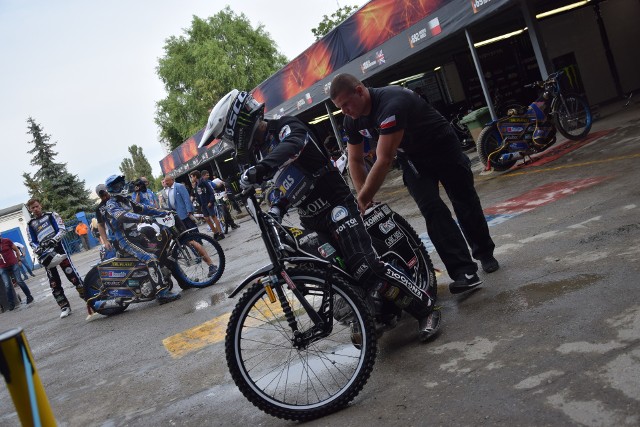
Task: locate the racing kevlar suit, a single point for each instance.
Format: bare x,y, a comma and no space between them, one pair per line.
329,206
46,229
123,216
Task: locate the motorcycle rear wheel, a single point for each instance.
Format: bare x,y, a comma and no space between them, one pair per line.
292,383
190,269
572,118
489,141
92,288
423,271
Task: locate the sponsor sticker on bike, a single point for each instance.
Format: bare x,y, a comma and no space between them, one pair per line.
326,250
387,226
339,213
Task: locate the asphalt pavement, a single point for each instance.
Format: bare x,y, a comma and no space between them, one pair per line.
552,338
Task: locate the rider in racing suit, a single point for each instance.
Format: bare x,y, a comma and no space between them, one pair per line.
328,207
46,229
123,216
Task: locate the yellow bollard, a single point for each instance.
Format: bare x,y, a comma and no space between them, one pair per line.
23,382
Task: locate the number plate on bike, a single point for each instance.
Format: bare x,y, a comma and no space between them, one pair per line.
167,220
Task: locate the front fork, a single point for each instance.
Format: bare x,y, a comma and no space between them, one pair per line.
320,327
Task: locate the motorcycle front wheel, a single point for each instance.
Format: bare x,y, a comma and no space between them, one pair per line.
572,116
489,141
308,382
190,268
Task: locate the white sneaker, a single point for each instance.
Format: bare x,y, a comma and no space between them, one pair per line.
65,312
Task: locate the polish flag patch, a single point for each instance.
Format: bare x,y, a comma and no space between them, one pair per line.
434,26
389,122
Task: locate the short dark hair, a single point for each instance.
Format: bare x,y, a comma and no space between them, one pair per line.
32,201
343,83
196,174
204,171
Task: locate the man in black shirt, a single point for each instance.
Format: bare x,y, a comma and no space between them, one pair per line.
407,126
106,235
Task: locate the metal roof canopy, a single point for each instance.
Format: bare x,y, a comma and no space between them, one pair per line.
508,16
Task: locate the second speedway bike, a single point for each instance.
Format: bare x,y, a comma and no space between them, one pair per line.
115,283
301,341
503,142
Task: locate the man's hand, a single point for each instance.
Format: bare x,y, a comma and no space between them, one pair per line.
364,202
108,245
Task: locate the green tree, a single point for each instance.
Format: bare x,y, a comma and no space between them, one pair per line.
136,166
52,184
329,23
214,56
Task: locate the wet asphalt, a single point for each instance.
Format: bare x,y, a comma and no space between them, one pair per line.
552,338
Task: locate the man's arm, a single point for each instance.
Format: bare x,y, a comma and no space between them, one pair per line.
385,153
357,168
17,251
103,236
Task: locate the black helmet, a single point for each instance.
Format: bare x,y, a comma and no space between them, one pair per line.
236,117
116,185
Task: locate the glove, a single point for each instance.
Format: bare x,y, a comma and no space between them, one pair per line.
147,219
49,243
248,178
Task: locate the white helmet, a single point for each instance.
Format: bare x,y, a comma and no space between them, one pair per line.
50,258
236,116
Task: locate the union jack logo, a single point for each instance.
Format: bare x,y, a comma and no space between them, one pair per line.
380,57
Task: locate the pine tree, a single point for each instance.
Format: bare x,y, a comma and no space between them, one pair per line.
136,166
56,188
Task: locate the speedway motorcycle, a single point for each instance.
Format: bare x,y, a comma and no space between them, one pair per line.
115,283
301,341
503,142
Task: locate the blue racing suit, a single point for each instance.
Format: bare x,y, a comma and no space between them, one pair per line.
123,215
50,227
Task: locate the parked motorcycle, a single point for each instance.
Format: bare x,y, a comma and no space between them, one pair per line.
505,141
290,344
115,283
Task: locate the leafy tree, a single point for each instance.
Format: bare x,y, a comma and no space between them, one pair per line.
136,166
52,184
329,23
214,56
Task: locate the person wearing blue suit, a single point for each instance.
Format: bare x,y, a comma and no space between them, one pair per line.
178,200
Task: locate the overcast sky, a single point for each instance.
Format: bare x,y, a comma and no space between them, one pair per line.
85,71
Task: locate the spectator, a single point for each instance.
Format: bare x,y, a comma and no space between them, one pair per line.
106,236
207,199
143,194
10,268
26,268
429,153
219,186
162,196
83,231
46,230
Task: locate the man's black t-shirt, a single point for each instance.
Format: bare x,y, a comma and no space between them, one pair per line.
100,212
394,108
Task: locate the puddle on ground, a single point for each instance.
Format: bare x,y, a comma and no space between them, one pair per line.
535,294
215,299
